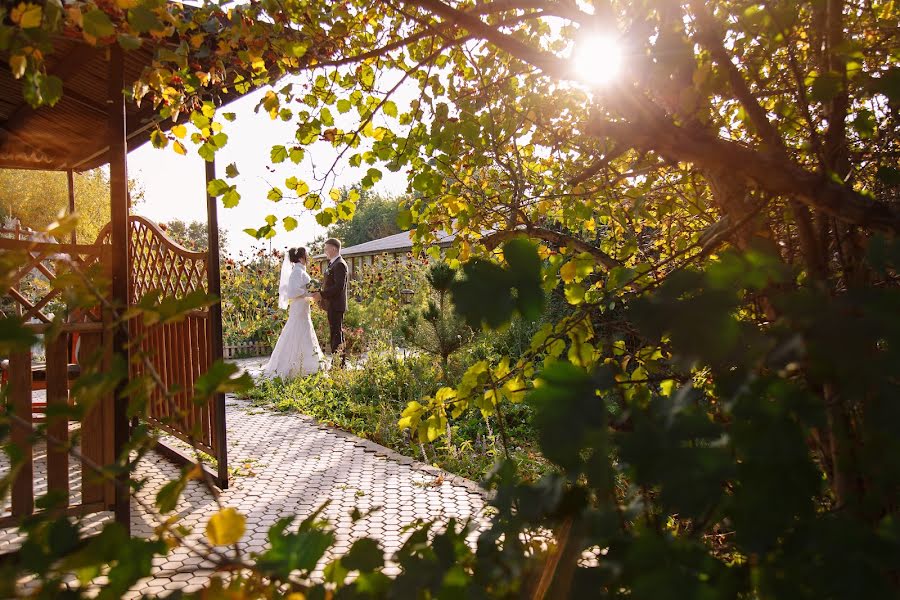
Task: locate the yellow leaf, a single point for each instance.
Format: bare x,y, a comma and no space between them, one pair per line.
179,131
226,527
17,64
179,148
127,3
27,16
75,15
568,271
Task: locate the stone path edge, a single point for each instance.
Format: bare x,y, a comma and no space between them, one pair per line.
378,449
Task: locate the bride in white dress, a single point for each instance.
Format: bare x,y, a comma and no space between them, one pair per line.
297,351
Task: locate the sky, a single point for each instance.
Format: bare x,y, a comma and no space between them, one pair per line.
174,185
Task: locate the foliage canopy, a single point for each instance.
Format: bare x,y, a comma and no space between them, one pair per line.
723,219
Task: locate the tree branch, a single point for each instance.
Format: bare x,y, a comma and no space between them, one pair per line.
493,240
709,34
766,171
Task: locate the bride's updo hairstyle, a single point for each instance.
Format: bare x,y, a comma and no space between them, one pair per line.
295,255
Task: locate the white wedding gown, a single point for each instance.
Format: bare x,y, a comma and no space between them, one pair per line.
297,351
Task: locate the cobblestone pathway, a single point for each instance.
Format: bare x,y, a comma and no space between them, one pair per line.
287,464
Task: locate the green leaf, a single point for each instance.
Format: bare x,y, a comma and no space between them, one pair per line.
207,151
826,87
404,219
221,378
297,153
158,139
278,154
888,175
326,217
217,187
231,171
346,210
275,195
390,108
366,76
96,23
299,551
51,88
129,42
290,223
14,336
168,496
143,20
568,414
343,106
312,202
231,198
365,555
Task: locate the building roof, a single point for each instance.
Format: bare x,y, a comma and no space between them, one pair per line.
399,242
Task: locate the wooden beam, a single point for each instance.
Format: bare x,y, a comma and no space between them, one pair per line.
120,236
83,101
214,286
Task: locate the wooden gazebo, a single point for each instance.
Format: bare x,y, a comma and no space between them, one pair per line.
93,125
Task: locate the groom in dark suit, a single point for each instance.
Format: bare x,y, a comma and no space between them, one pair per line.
334,293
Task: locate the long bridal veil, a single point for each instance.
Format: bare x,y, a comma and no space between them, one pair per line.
284,298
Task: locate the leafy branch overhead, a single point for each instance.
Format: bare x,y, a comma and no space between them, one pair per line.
706,244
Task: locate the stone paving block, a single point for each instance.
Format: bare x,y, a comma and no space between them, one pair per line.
299,465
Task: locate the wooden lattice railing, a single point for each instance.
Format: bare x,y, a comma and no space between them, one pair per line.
178,352
30,289
38,260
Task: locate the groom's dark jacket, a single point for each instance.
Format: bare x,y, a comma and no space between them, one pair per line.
334,288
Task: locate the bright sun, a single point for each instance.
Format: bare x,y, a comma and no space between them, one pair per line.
598,59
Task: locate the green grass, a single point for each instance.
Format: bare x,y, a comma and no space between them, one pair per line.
367,402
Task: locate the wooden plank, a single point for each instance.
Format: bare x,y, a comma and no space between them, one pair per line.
58,420
20,402
74,511
89,326
177,376
197,369
203,364
162,367
92,427
50,248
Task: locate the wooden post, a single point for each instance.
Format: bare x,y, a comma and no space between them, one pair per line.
214,285
120,238
70,180
20,402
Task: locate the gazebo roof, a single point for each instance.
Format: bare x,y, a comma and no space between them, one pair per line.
72,134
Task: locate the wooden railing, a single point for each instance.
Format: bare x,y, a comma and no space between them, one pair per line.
178,353
95,434
247,350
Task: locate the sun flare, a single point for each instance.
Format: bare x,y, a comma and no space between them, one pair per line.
598,59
